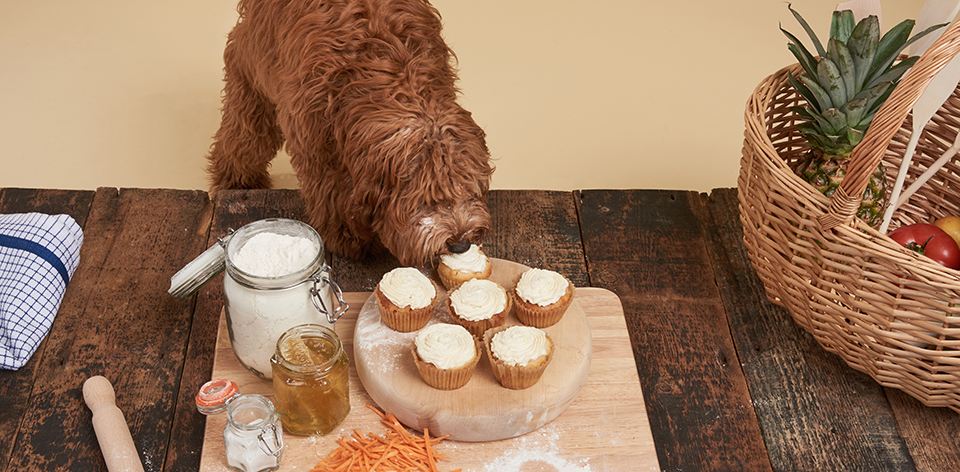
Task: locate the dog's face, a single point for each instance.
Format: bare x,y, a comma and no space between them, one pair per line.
430,185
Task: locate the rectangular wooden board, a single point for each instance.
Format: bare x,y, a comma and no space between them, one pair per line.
604,430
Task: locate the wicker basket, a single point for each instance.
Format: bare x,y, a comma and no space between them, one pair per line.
885,310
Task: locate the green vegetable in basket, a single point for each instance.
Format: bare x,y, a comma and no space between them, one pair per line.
844,86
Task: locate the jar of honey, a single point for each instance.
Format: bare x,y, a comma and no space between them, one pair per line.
310,380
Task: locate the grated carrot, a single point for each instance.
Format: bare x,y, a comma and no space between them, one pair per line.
396,450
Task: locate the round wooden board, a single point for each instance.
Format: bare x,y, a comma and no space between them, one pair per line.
482,410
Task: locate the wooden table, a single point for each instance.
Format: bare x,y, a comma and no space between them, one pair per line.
729,381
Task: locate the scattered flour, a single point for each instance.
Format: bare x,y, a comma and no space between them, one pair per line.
535,452
535,461
374,340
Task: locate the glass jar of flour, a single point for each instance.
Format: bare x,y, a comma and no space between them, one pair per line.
276,278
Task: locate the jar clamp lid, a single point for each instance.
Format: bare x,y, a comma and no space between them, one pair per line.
214,396
213,261
201,270
315,295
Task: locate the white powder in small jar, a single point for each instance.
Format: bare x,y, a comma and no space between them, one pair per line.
259,316
242,443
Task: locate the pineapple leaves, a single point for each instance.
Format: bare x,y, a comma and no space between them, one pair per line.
863,47
842,25
832,127
821,97
814,137
838,52
833,122
875,96
854,136
809,30
891,45
855,110
874,93
845,85
894,73
804,92
807,61
803,112
829,77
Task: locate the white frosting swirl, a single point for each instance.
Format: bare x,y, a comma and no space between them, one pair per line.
541,287
446,346
470,261
518,345
407,287
478,299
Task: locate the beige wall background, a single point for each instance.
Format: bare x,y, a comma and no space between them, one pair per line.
572,94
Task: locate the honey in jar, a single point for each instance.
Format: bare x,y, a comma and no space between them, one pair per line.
310,380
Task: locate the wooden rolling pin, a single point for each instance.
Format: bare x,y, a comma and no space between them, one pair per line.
117,446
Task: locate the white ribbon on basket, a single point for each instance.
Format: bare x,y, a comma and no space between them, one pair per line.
937,92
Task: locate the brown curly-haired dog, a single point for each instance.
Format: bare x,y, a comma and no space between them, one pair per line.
364,94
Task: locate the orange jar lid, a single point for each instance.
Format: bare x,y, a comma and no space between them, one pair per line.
215,394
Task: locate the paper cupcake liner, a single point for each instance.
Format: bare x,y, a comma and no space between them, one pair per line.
453,278
478,327
538,316
406,319
445,379
516,377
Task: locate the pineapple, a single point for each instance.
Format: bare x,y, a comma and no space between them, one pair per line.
844,87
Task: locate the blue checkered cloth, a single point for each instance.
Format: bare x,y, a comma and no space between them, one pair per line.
38,254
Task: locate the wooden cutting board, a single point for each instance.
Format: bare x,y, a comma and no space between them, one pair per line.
481,410
605,429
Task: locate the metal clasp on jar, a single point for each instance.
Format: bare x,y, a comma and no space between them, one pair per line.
275,446
320,282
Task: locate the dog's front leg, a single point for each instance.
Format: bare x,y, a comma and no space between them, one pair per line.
249,136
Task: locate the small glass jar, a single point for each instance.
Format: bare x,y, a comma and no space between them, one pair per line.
261,308
252,435
311,380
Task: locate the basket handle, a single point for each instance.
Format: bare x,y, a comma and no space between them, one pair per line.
868,154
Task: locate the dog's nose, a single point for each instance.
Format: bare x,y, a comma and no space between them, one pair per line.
459,248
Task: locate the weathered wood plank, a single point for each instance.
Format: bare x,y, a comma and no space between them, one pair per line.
932,435
649,247
117,321
816,412
16,386
540,229
231,210
75,203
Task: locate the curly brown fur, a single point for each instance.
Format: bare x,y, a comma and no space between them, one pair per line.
363,93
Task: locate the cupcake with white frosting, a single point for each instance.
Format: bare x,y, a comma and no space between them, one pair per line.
478,305
406,299
455,269
518,355
542,297
446,355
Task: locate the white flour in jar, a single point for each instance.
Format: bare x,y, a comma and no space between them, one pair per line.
273,255
258,317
